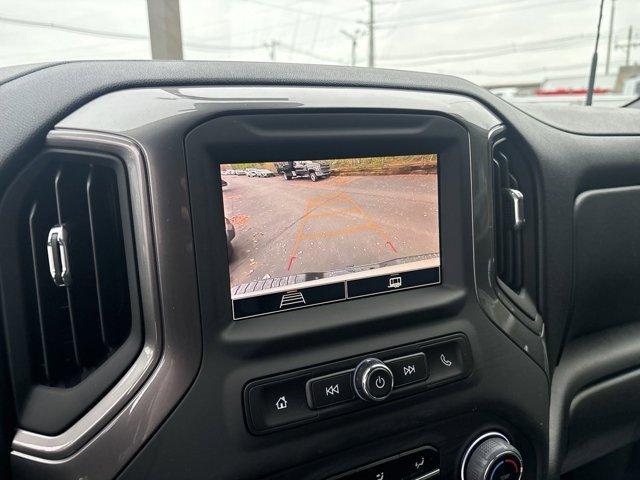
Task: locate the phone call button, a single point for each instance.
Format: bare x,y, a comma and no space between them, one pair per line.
445,361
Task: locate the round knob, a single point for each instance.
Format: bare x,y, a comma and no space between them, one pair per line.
492,457
373,380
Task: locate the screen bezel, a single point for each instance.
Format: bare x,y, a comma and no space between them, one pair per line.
279,136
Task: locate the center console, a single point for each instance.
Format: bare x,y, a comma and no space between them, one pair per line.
367,307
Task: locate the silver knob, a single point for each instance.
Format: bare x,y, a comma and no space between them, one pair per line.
373,380
491,457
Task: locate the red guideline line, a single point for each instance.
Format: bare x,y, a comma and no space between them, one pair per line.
392,247
291,262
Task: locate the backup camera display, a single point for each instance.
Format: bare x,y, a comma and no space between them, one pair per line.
304,233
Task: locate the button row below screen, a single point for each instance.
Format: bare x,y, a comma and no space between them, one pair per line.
274,404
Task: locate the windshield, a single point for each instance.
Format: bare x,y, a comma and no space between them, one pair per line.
525,51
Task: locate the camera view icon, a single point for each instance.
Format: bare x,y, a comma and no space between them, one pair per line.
292,298
395,282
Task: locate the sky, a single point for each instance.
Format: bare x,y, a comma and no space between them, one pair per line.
489,42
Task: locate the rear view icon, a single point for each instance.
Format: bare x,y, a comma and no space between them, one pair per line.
292,298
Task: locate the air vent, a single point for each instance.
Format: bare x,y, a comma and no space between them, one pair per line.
69,286
516,257
508,205
78,323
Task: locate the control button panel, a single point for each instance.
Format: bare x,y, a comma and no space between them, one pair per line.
419,464
409,369
279,403
331,389
348,385
445,361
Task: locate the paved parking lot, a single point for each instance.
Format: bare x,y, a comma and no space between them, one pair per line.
298,226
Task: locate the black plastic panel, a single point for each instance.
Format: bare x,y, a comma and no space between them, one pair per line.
603,418
607,260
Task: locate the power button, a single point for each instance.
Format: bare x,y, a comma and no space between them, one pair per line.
373,380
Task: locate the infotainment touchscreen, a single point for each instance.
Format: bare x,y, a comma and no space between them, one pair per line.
310,232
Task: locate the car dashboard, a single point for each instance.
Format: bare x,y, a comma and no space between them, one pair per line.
488,341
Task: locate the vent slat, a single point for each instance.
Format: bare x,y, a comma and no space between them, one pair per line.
508,238
72,328
33,239
91,209
58,182
110,255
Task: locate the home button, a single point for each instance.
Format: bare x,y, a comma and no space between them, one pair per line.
279,403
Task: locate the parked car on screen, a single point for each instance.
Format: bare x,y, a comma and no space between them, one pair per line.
251,172
313,170
264,173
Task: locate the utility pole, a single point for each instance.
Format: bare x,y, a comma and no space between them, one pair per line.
372,55
271,47
354,43
613,12
164,29
629,45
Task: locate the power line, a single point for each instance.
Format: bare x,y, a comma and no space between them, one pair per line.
284,25
494,48
450,11
445,16
298,10
118,35
74,29
527,71
507,50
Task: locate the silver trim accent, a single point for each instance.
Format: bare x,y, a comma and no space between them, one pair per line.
431,474
517,199
471,448
361,377
58,239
